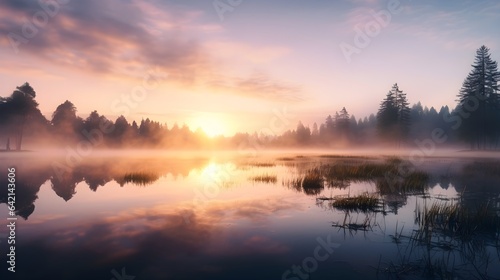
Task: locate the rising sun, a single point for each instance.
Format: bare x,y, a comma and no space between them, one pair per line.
212,125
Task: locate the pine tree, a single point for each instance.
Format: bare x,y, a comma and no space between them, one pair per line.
394,115
329,125
315,131
480,98
387,115
342,121
403,113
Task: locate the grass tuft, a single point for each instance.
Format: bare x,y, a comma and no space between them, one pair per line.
140,178
265,178
364,203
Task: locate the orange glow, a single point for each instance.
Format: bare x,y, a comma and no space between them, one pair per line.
211,124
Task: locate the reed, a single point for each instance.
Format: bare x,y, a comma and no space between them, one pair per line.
286,158
140,178
361,203
455,220
261,164
312,183
265,178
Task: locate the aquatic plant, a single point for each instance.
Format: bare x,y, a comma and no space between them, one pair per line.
363,203
455,220
260,164
311,182
140,178
265,178
287,158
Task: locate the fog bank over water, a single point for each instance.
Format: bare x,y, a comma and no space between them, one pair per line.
413,154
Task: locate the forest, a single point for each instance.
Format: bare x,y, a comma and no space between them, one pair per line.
473,124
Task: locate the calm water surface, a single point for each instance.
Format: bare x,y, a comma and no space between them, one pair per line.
274,216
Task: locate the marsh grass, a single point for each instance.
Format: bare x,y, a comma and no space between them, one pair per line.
260,164
386,175
265,178
415,182
344,156
454,220
312,182
286,158
361,203
450,242
140,178
313,179
353,224
361,171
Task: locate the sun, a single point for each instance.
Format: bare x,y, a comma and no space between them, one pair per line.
213,130
211,124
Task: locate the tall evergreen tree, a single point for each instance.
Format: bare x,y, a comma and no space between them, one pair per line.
342,122
480,98
387,115
393,117
403,113
329,126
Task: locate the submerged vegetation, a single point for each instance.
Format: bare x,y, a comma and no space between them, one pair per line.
265,178
140,178
364,203
451,241
455,220
260,164
392,176
452,235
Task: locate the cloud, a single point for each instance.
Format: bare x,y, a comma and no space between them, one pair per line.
125,38
366,2
103,36
259,85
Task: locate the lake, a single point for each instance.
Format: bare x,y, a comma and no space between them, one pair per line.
274,215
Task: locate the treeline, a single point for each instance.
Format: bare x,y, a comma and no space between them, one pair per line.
20,118
371,130
475,121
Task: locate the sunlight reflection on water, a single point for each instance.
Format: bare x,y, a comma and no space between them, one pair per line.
259,215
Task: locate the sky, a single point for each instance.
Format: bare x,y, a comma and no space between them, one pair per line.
229,66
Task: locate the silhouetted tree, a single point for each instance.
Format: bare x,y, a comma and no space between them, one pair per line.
479,97
343,120
394,115
65,121
330,124
403,113
303,134
342,123
387,116
16,110
123,133
315,131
